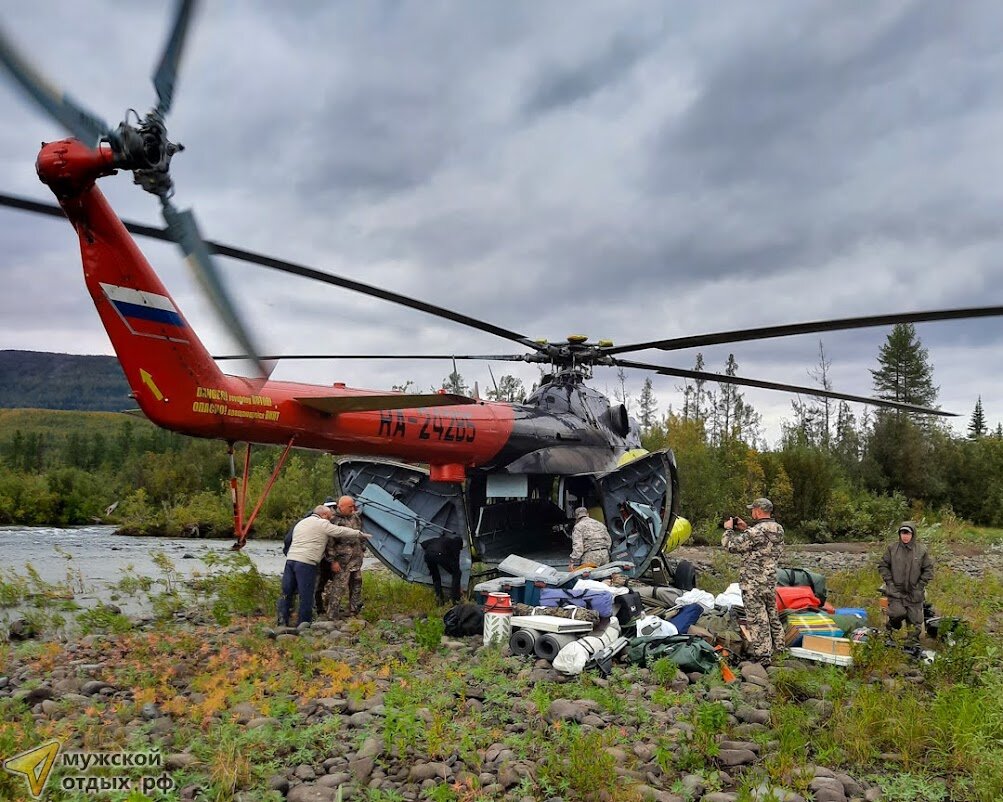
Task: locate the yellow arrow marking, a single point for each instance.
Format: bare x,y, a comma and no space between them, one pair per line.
148,381
35,765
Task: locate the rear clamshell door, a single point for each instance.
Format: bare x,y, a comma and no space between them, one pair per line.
649,487
401,508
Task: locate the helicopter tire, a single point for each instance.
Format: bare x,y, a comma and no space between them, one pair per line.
685,575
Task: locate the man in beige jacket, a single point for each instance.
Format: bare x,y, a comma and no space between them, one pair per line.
308,545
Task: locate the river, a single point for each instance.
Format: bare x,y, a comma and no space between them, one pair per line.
91,559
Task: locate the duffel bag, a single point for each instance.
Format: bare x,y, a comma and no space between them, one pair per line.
688,652
797,598
599,600
795,577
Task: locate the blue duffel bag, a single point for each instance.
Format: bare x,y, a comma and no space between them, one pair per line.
599,600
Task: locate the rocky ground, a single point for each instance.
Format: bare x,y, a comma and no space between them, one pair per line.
386,720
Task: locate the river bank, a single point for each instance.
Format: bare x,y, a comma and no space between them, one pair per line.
383,708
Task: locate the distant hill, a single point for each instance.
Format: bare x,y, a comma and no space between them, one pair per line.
42,380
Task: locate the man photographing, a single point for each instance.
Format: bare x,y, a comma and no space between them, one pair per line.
761,544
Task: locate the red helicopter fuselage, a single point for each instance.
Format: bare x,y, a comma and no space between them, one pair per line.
179,386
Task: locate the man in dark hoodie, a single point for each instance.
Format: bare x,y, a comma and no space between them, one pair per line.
906,569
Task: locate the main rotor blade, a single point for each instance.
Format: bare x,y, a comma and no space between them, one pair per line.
785,388
185,232
790,329
487,357
298,270
166,73
86,127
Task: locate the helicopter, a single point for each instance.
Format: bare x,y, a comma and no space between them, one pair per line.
506,477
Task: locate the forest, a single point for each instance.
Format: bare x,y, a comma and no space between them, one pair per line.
832,475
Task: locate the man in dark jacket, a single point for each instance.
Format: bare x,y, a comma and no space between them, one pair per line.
906,569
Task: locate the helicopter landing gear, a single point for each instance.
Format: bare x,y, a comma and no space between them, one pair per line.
242,527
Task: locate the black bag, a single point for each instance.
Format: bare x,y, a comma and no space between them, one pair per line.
627,607
464,619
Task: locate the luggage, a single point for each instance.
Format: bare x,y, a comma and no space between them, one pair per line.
599,600
794,577
797,598
688,652
574,613
628,607
799,623
573,658
464,619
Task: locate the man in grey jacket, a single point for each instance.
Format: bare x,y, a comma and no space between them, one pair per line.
907,569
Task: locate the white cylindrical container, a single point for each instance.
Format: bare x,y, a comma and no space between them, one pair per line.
497,619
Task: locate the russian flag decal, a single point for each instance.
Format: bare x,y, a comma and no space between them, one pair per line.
147,314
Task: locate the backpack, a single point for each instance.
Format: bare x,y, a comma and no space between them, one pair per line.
628,607
464,619
688,652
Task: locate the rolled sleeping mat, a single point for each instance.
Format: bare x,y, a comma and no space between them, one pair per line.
523,641
549,644
573,657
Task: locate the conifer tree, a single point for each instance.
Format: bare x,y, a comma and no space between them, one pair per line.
977,425
649,407
905,373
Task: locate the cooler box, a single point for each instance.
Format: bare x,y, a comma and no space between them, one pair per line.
514,586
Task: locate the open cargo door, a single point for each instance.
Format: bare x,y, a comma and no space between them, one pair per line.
640,501
401,508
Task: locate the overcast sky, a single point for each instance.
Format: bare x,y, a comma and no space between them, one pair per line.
624,170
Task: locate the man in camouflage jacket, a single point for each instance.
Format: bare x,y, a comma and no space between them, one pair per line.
345,556
761,547
590,541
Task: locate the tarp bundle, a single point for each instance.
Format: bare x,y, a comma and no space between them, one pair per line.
573,657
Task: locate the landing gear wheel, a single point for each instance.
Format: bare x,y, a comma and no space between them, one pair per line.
685,575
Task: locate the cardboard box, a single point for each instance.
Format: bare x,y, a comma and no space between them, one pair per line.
818,643
820,657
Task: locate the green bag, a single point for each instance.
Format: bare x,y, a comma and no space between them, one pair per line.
802,577
688,652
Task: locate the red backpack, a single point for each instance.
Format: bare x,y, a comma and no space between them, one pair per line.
797,598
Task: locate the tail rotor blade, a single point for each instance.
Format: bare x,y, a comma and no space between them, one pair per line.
85,126
184,230
166,73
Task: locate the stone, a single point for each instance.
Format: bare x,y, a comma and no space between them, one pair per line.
32,696
263,721
755,673
827,789
362,768
570,710
720,796
150,711
179,760
305,772
428,771
360,720
94,686
752,715
332,703
850,786
736,757
694,785
311,793
752,747
49,707
371,747
872,795
649,794
244,712
775,793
